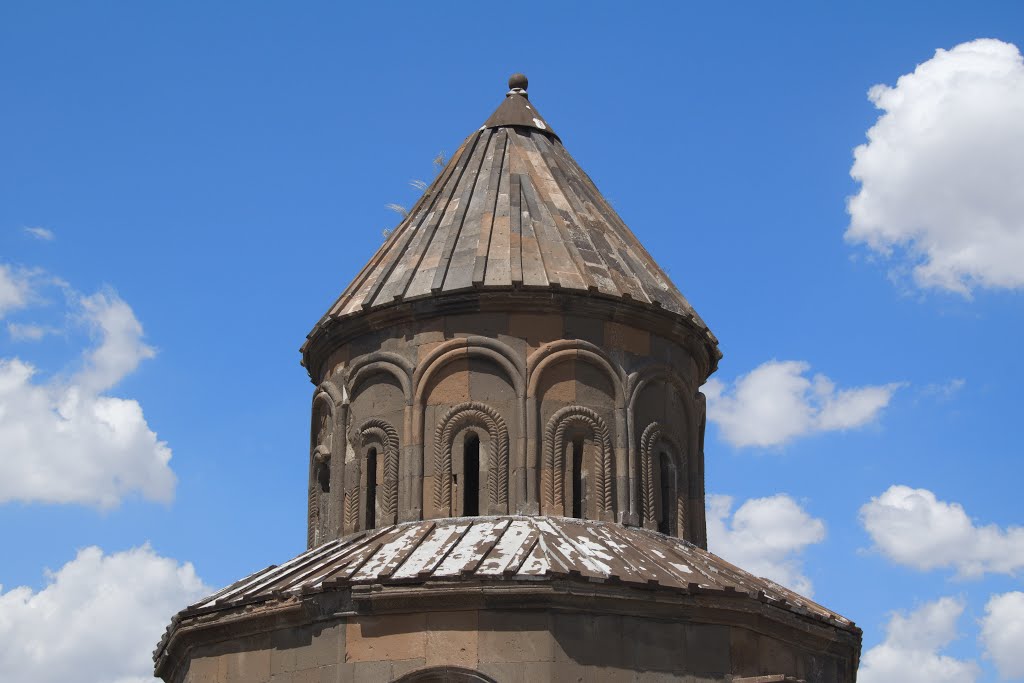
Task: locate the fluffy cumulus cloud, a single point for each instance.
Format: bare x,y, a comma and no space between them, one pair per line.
764,536
1002,634
941,173
65,439
912,646
777,402
914,528
97,619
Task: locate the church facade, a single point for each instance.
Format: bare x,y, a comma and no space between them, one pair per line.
506,466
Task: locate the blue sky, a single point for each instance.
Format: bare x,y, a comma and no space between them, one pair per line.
203,181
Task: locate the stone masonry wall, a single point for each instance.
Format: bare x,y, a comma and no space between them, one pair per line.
514,647
535,389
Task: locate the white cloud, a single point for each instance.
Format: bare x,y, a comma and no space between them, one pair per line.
910,652
65,440
97,619
41,234
1002,633
776,403
942,170
121,348
913,528
765,536
945,391
27,331
15,288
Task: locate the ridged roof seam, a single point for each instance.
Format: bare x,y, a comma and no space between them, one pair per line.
561,223
460,218
447,189
484,248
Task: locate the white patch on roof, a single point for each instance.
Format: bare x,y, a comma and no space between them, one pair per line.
466,553
387,552
509,550
539,124
431,551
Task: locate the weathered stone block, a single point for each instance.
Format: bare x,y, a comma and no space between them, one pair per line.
391,637
515,637
452,638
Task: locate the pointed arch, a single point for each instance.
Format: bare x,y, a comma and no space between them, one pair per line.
486,418
379,433
554,465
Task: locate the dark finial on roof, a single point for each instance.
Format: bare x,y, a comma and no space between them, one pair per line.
517,110
517,83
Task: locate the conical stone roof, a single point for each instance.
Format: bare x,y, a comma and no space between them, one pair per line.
513,210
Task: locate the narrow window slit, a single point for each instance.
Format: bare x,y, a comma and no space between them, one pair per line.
471,473
577,479
668,493
371,488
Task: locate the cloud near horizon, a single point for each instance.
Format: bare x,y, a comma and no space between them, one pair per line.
776,403
941,172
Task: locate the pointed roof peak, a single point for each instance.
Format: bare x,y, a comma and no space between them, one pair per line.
512,211
517,110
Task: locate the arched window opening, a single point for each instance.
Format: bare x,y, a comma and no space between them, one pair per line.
667,479
323,475
371,488
319,500
471,474
578,480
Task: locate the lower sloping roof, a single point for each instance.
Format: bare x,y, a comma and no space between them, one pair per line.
509,548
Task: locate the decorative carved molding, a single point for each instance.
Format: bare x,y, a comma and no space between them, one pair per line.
653,433
319,503
382,433
352,508
335,394
471,414
321,436
559,423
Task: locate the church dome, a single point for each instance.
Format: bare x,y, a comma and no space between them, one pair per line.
506,463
